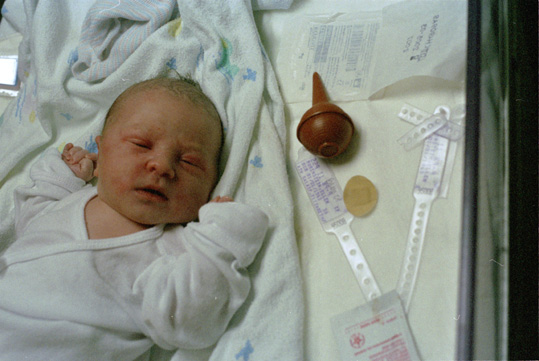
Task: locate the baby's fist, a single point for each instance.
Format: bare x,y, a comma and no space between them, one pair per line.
80,161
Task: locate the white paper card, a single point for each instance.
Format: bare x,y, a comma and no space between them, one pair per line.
375,331
357,54
421,38
339,47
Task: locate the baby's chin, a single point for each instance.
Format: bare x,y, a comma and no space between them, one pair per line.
149,220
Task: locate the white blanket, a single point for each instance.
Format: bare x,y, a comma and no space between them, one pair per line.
217,43
113,30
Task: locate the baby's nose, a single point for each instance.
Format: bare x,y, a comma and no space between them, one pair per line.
161,165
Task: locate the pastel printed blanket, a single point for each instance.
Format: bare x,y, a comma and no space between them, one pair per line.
217,43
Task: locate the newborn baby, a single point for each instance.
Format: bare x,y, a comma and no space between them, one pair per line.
106,272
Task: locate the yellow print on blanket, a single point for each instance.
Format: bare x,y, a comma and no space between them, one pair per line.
25,105
61,147
175,27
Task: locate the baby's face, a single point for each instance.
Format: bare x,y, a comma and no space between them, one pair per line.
157,161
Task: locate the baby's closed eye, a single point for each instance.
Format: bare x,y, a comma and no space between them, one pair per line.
141,143
192,160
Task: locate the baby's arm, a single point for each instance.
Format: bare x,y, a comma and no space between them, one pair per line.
52,179
80,161
188,299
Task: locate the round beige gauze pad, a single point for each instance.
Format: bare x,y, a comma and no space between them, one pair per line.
360,196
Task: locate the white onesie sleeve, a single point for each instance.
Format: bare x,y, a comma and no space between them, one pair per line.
187,300
52,180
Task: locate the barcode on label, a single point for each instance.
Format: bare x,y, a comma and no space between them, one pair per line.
355,48
324,41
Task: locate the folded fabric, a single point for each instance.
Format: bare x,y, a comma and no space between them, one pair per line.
13,16
271,4
113,30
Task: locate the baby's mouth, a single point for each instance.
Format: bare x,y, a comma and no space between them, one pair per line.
153,194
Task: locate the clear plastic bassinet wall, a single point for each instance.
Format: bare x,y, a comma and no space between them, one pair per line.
498,280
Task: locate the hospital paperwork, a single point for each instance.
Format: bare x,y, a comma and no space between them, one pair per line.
358,54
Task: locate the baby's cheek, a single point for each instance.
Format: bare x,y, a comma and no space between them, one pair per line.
121,188
123,178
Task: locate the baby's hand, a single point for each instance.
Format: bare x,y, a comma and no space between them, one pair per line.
223,199
80,161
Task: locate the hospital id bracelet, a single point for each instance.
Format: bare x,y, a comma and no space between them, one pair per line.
326,198
426,190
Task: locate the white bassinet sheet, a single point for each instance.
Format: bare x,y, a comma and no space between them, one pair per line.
329,287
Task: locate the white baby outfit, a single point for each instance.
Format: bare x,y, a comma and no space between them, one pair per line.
65,297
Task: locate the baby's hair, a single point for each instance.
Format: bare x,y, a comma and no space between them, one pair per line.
179,86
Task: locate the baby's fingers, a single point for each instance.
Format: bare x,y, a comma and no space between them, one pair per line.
66,153
73,154
78,154
92,156
222,199
67,147
86,169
